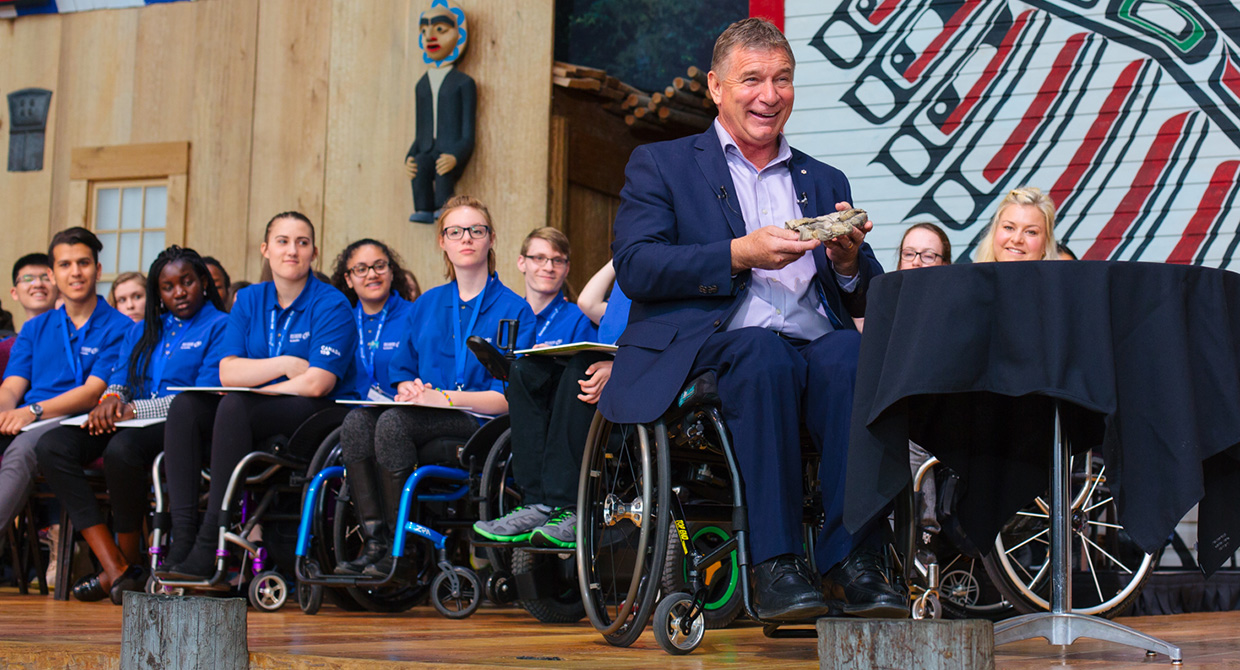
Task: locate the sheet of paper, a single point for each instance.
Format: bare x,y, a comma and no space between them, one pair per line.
80,421
572,348
44,422
393,403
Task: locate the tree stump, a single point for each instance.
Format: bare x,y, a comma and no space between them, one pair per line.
862,644
186,632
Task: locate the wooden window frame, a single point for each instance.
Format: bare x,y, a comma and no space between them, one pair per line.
125,162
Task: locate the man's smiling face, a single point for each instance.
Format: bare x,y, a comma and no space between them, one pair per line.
754,96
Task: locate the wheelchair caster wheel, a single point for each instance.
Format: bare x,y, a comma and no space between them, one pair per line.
927,606
268,591
500,588
154,588
456,594
674,630
310,597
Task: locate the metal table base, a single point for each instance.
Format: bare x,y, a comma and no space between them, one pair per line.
1060,625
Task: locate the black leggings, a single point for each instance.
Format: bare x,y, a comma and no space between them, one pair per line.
63,454
549,425
391,436
239,421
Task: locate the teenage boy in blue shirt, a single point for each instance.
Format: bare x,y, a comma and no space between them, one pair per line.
544,262
59,365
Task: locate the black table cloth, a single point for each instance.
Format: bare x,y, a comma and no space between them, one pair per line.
966,360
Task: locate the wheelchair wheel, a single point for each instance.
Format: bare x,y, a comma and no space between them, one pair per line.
723,590
622,526
310,597
673,630
456,598
565,606
1108,568
268,591
499,497
967,592
326,455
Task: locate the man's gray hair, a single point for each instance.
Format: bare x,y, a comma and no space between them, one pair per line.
751,33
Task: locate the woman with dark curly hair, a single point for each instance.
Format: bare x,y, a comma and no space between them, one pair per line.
370,276
178,343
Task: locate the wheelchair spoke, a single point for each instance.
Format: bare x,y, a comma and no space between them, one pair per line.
1098,504
1104,552
1093,572
1029,539
1103,524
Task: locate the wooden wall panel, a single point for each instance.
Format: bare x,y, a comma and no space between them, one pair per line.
94,96
164,68
31,59
589,228
290,115
220,130
375,64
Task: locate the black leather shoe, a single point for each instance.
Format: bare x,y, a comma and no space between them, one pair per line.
134,579
861,583
89,590
784,590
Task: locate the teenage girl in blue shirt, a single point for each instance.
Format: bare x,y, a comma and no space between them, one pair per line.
433,367
294,334
370,275
178,343
544,261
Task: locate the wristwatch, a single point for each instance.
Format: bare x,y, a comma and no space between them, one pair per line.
37,410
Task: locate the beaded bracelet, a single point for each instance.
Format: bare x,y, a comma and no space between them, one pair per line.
445,397
112,394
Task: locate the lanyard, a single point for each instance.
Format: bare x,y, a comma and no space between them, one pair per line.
276,345
550,317
162,354
74,355
460,355
368,361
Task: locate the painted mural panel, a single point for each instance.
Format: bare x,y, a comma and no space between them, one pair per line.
1126,111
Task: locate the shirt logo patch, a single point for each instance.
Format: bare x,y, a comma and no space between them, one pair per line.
297,337
328,351
89,351
388,346
191,345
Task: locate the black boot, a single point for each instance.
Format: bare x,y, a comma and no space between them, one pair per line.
179,546
200,563
368,502
393,485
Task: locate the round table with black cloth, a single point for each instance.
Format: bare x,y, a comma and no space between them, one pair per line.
966,360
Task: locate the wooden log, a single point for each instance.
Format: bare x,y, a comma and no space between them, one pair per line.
689,85
697,74
582,71
612,82
637,123
636,100
690,119
687,100
580,84
187,632
642,112
863,644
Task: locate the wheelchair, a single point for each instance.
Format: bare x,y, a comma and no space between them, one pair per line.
437,506
661,509
259,511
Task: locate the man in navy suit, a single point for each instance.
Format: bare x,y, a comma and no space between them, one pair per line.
719,284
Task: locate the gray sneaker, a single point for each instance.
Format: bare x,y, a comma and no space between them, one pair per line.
514,526
560,532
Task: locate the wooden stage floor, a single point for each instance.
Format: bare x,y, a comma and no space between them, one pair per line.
37,632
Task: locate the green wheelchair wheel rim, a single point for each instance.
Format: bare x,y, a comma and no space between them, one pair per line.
730,564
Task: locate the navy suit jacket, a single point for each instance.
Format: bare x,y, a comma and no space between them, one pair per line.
672,253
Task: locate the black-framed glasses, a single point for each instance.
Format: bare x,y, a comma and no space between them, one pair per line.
380,267
30,279
557,262
928,257
457,232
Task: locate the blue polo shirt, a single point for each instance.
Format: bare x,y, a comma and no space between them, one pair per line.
380,336
562,322
55,357
616,317
429,351
318,327
188,354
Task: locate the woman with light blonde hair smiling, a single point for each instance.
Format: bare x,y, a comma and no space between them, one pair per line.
1022,229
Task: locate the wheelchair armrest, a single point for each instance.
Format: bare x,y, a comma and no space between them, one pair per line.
495,362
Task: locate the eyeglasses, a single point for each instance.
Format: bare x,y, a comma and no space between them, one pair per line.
557,262
30,279
360,270
457,232
928,257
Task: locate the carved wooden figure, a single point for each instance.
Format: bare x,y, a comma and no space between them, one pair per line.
446,103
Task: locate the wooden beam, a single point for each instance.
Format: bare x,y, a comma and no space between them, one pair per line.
129,161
